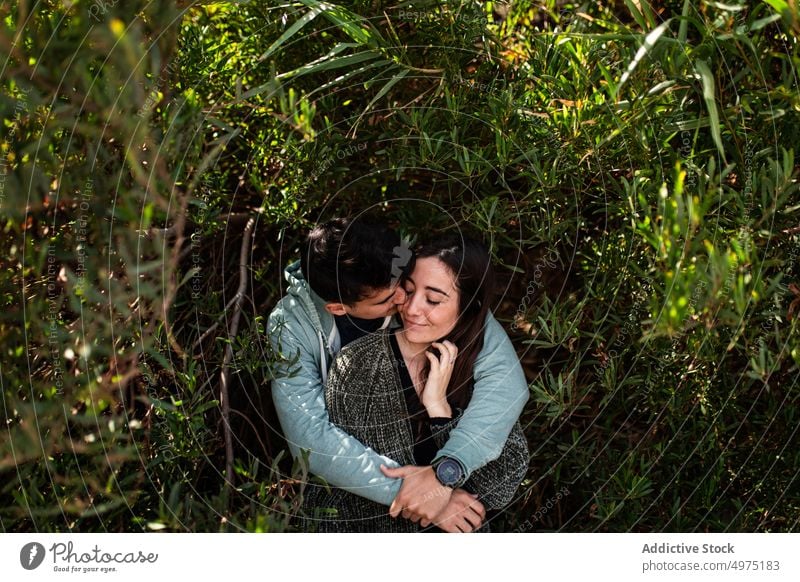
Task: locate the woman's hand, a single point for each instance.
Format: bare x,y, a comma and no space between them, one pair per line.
463,513
434,394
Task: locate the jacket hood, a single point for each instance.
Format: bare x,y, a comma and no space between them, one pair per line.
311,304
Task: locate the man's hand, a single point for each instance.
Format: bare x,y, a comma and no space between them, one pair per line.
463,514
421,496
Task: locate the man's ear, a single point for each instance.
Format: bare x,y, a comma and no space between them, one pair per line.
335,308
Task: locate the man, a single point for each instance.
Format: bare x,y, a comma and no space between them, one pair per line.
346,285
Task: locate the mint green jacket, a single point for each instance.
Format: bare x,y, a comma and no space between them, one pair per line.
306,338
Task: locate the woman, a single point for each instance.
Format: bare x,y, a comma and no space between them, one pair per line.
394,393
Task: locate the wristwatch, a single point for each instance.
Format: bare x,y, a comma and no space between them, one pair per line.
449,472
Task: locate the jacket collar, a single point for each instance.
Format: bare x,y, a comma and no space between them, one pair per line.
312,304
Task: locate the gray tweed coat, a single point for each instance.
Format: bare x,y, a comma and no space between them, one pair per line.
364,396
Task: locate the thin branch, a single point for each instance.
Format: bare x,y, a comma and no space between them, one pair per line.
172,231
413,101
172,285
184,253
216,323
234,328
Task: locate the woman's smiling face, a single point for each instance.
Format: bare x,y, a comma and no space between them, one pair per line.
430,311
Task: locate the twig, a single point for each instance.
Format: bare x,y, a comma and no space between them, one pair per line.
216,323
414,100
225,375
165,232
184,253
172,286
172,231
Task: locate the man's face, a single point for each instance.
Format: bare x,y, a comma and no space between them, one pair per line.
377,304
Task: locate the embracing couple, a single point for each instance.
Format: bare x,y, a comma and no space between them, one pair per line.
398,381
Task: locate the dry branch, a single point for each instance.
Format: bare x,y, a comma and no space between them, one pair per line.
234,328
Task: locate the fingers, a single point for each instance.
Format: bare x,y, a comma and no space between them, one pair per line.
448,352
464,521
470,499
468,507
410,516
396,472
479,509
472,518
452,349
434,361
444,353
462,525
468,521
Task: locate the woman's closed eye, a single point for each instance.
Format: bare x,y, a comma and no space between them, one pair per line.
410,292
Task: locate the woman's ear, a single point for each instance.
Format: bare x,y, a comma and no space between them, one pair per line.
336,308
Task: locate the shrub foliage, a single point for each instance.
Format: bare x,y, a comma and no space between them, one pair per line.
630,164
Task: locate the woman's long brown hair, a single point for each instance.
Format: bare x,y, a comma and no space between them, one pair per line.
470,263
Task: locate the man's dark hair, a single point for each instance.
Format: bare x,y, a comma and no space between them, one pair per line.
344,259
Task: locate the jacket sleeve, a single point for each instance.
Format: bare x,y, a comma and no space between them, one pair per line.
496,482
298,393
499,395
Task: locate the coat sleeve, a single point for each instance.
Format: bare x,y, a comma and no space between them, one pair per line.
496,482
499,395
298,394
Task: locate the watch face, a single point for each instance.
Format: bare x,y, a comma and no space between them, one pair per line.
449,472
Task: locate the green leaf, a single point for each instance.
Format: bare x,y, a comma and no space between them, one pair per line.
762,22
636,13
334,63
649,42
348,22
293,29
707,80
683,28
385,89
346,76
